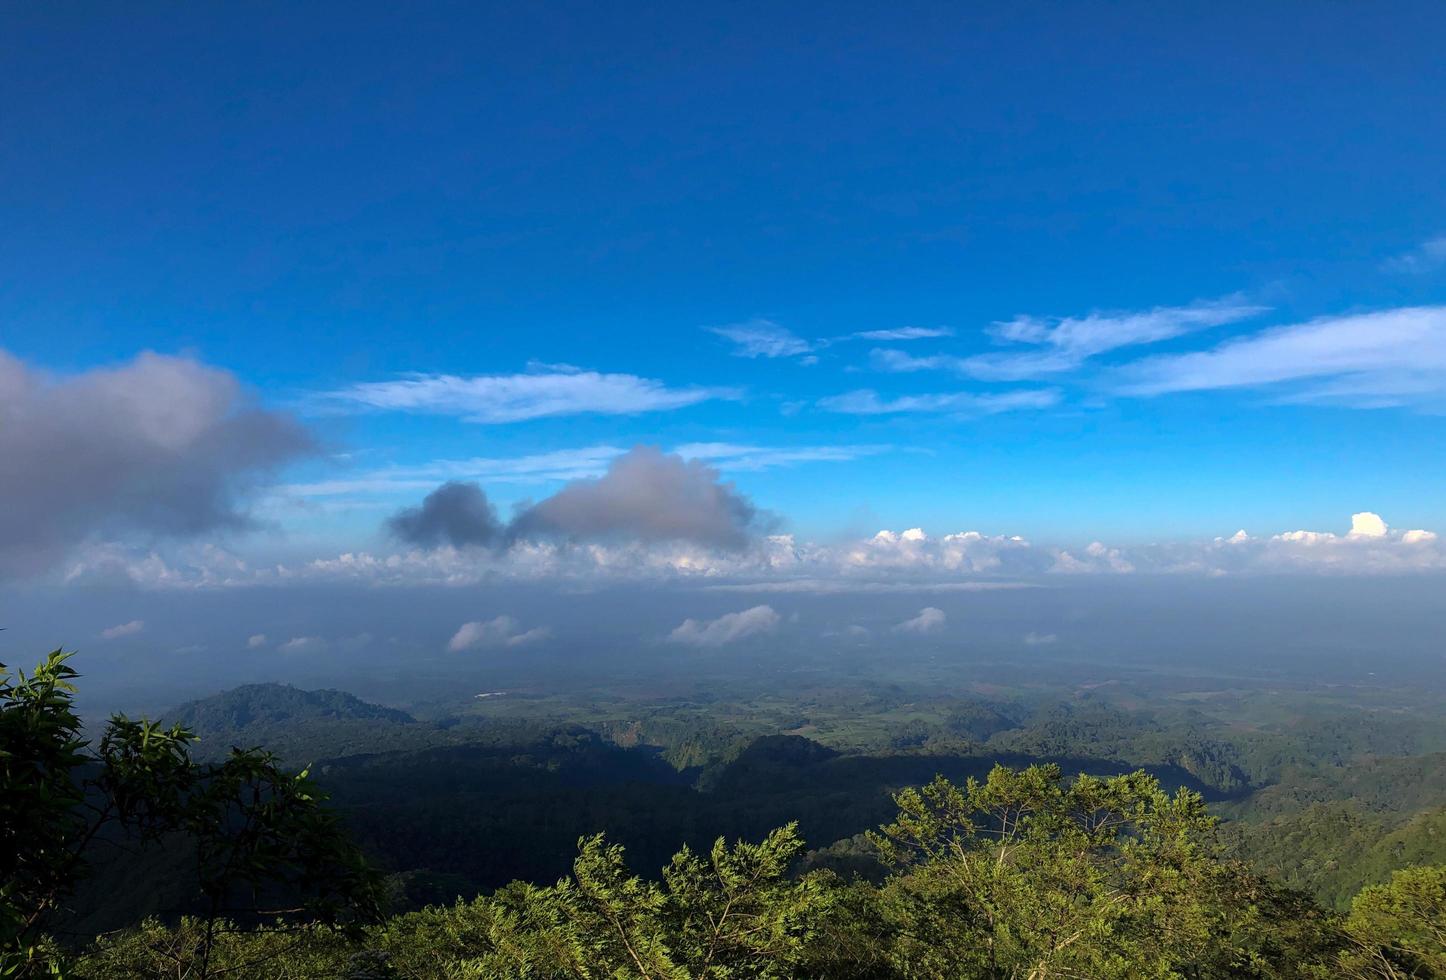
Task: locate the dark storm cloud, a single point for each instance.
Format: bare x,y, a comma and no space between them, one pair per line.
457,514
158,446
646,495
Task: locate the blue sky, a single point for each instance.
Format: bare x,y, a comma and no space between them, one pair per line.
1115,227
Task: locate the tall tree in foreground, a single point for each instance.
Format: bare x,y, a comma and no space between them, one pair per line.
257,831
1025,875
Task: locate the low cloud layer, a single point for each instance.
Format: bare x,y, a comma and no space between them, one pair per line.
124,629
728,628
157,447
498,632
889,562
929,620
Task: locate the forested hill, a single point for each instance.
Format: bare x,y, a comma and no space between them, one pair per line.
483,792
271,704
288,720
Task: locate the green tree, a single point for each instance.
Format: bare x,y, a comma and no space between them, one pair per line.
1398,930
258,831
1025,875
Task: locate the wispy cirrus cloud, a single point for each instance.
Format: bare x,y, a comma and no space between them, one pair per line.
494,399
1391,358
764,338
902,333
866,401
1051,346
733,456
568,464
1429,256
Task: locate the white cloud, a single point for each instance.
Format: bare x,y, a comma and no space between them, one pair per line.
889,562
1368,525
1096,558
124,629
501,398
850,586
303,644
1033,639
732,456
500,631
1426,257
1064,344
903,333
929,620
914,552
727,628
1368,360
867,402
256,641
763,338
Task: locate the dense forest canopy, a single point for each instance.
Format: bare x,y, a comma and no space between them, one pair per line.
845,833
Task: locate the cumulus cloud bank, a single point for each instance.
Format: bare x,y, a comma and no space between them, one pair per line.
500,631
889,562
727,628
159,446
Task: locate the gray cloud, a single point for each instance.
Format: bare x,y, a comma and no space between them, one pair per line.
456,514
646,495
160,446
